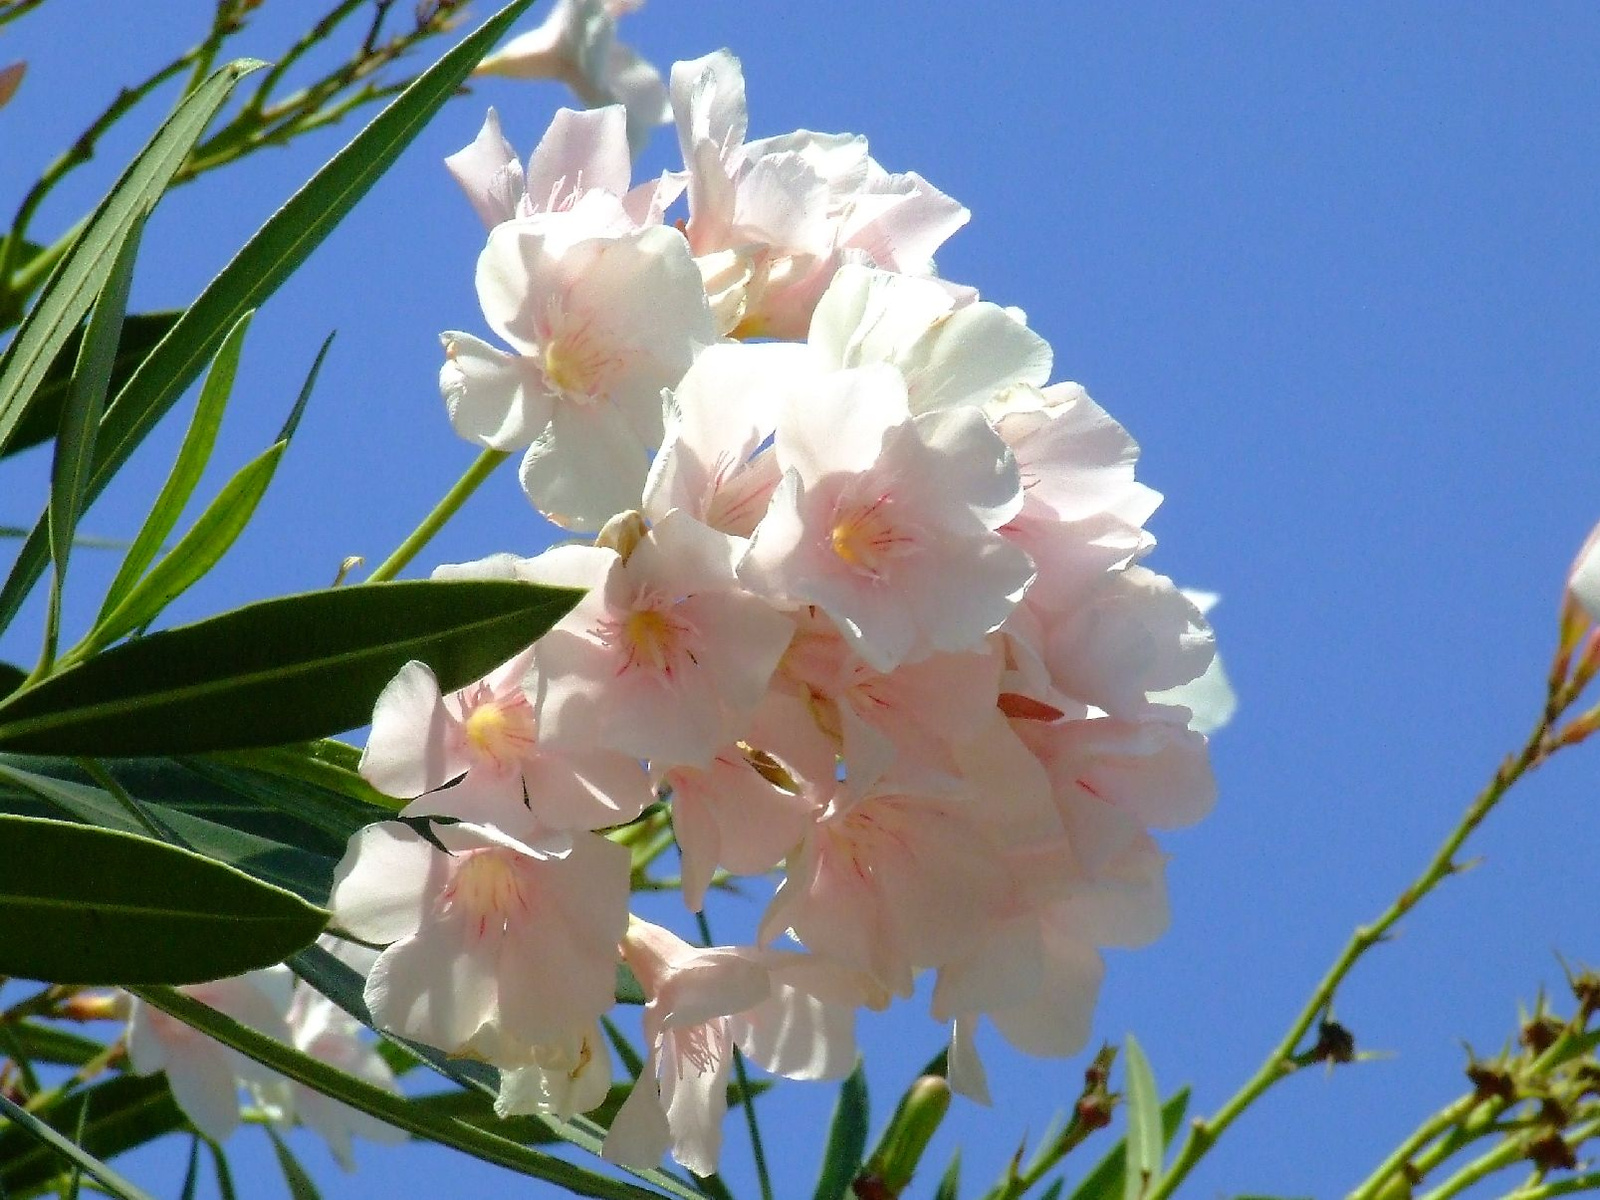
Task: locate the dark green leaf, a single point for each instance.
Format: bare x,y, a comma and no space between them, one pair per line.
1105,1181
292,421
258,270
51,1044
325,764
73,285
1053,1192
79,1158
124,1111
219,1161
847,1139
11,678
277,671
93,906
950,1181
217,814
397,1110
294,1175
140,333
187,468
211,536
1145,1144
191,1174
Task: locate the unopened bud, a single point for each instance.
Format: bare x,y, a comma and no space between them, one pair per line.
1335,1044
903,1144
623,533
1539,1032
94,1006
1551,1152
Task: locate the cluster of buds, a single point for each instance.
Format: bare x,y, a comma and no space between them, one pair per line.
866,602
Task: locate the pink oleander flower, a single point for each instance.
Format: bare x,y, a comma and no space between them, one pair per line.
1583,581
887,522
1133,634
952,354
666,657
731,814
716,461
892,882
564,1078
495,946
601,318
790,1014
484,741
770,221
205,1076
321,1029
577,45
908,720
582,153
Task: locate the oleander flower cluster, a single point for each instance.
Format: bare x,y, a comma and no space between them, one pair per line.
865,605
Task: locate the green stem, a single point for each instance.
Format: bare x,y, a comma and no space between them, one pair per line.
756,1149
80,152
1445,1119
1587,1182
442,512
1280,1063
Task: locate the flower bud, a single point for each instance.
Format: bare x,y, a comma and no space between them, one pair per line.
906,1140
11,80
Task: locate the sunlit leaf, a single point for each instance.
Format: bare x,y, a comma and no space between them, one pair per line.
397,1110
82,273
113,1183
258,270
190,464
93,906
1145,1145
283,670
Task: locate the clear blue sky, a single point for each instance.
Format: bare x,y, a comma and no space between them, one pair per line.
1335,267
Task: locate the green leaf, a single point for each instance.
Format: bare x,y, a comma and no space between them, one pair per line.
300,1185
396,1110
1053,1192
124,1111
325,764
86,397
191,1174
292,421
258,270
113,1183
1105,1182
950,1182
1145,1145
43,1043
11,678
211,536
847,1139
282,670
73,285
140,333
193,455
217,815
93,906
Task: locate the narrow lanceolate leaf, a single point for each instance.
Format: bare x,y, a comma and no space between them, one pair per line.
193,455
140,333
294,1175
847,1139
1105,1182
211,536
257,271
124,1111
86,398
89,906
283,670
73,285
386,1106
64,1146
1145,1145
